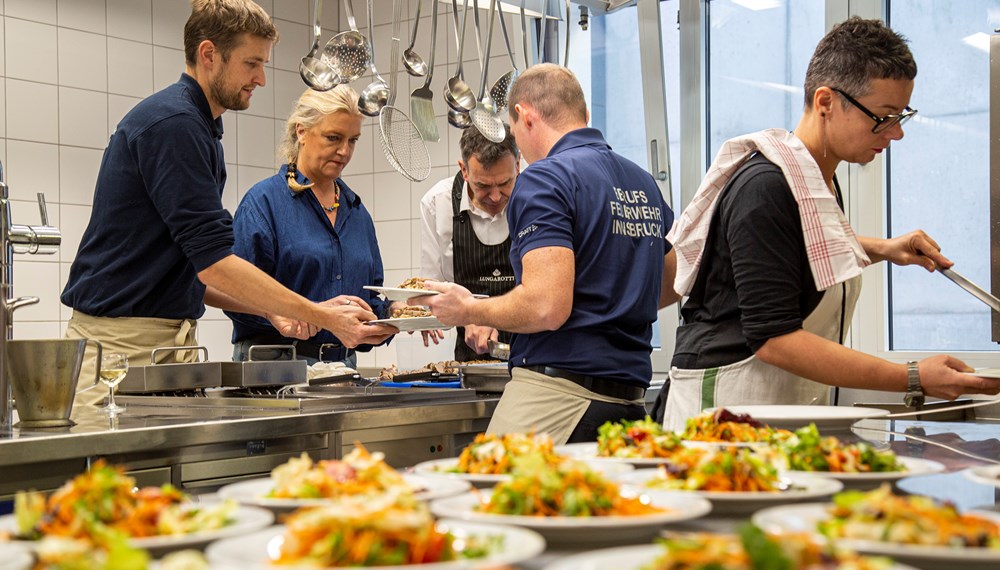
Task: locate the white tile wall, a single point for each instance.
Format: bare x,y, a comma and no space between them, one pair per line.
71,69
87,15
37,10
83,117
129,69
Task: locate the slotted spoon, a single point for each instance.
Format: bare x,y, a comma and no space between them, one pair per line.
348,53
502,85
483,116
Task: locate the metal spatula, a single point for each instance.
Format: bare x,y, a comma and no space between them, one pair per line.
976,291
421,104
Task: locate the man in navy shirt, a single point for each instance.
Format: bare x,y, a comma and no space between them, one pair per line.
592,267
159,243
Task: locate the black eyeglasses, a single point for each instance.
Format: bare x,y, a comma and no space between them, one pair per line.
881,123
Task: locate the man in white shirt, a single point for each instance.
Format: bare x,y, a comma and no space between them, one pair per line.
464,236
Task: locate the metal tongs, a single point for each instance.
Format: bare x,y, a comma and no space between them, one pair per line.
498,349
976,291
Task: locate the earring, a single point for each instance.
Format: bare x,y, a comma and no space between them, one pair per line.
823,116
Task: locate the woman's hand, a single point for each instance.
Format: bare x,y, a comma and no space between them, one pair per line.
944,376
347,300
914,248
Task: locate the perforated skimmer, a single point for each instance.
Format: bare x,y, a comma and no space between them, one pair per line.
348,53
483,116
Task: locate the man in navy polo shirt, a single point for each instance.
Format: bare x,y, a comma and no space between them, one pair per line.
159,243
592,266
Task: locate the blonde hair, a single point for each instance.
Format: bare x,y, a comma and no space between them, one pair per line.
553,91
223,22
309,109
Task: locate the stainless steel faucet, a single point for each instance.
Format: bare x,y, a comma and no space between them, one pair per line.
16,238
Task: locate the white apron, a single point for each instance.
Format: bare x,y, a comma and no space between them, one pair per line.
752,381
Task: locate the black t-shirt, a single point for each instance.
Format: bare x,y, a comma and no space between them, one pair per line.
754,282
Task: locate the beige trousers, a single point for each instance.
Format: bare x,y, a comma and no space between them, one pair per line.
136,337
545,404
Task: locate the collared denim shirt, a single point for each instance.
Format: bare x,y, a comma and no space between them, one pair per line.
289,236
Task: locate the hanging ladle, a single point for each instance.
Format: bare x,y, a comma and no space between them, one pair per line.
313,70
459,119
457,92
376,95
413,63
348,53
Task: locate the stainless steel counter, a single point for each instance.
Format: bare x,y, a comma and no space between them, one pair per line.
199,448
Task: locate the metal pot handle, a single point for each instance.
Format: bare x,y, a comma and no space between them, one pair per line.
272,347
152,355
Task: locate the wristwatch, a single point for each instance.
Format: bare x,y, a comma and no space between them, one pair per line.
914,397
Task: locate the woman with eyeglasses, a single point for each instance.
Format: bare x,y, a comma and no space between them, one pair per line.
769,263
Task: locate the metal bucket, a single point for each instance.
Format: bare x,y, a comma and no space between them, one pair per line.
43,376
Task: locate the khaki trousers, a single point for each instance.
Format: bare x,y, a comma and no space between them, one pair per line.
136,337
545,404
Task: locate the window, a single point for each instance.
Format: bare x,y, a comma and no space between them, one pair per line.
938,175
758,54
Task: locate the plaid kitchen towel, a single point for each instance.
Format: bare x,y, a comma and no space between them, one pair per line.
834,252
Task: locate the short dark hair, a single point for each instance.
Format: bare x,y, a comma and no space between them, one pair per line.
855,52
487,152
223,22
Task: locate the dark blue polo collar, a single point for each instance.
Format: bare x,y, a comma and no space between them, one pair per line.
201,102
577,138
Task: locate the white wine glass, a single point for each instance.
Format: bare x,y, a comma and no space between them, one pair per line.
114,367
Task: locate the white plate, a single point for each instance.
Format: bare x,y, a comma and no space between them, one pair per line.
254,492
986,372
399,294
412,323
744,502
588,452
803,518
627,558
826,418
583,530
15,556
914,466
254,551
245,520
985,474
440,468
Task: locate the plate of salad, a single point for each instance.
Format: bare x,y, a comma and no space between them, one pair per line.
302,482
736,481
858,465
914,528
392,531
751,548
571,504
103,505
